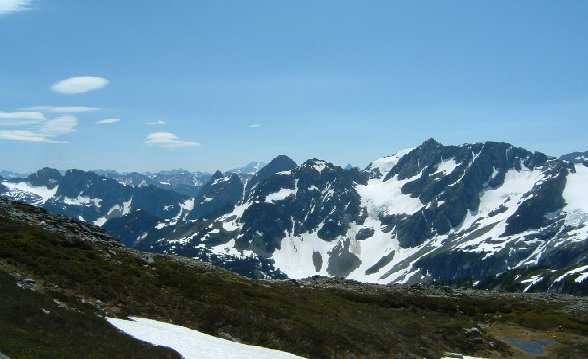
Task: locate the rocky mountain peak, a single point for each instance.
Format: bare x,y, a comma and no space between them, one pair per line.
576,157
216,175
48,177
279,164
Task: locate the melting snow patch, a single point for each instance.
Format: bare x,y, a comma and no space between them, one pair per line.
319,166
43,193
576,196
160,225
229,249
446,167
220,180
231,220
387,197
192,344
574,271
100,221
505,199
582,277
296,252
532,281
82,201
280,195
385,164
127,206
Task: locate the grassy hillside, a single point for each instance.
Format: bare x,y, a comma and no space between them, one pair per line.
91,276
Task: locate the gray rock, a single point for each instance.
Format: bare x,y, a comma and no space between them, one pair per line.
148,260
473,331
453,355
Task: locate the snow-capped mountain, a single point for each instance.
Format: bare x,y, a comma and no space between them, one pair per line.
10,174
181,181
432,213
92,198
138,213
248,170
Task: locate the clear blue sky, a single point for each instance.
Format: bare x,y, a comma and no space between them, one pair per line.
207,85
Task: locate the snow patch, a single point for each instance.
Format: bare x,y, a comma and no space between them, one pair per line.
230,221
190,343
576,196
82,201
532,281
386,197
220,180
506,199
16,191
295,255
319,165
229,249
574,271
281,195
385,164
446,167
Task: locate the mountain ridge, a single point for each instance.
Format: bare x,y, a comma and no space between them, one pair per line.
426,214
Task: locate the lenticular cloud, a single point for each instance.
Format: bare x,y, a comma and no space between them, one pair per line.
76,85
168,139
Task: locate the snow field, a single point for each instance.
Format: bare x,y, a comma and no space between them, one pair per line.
192,344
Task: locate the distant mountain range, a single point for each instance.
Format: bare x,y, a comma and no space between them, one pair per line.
429,214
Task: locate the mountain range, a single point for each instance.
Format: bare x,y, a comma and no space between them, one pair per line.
430,214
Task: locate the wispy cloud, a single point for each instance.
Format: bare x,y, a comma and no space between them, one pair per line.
168,140
59,126
26,136
254,125
157,123
34,127
20,118
77,85
61,109
10,6
108,121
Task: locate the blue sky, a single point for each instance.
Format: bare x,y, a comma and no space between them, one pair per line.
206,85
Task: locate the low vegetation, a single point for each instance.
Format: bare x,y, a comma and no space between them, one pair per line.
78,281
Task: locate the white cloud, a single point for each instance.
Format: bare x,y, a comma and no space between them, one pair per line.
168,139
76,85
8,6
63,109
37,127
157,123
255,125
108,121
59,126
26,136
20,118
